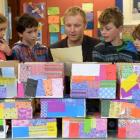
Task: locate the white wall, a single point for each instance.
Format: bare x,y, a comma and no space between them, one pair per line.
3,6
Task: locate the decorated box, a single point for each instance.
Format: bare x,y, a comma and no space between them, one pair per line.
8,79
90,80
41,80
89,127
129,128
3,129
120,109
16,109
34,128
129,75
67,107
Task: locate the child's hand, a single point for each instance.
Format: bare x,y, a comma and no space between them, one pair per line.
5,48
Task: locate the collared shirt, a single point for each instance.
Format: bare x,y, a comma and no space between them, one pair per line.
24,53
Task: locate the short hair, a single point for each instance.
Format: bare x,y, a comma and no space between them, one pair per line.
72,11
136,32
113,15
25,21
3,19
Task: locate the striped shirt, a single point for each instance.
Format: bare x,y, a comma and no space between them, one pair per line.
105,52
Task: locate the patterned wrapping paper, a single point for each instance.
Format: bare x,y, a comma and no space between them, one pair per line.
40,80
34,128
129,79
16,109
90,80
89,127
120,109
3,129
8,82
128,128
56,108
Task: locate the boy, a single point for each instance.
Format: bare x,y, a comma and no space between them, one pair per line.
75,24
113,48
28,49
5,50
136,36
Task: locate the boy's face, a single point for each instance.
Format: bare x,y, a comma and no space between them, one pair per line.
110,32
74,27
137,43
3,27
29,35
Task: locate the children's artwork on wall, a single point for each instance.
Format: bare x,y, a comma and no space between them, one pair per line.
53,11
56,108
40,80
54,28
129,81
34,128
90,80
39,36
3,129
128,128
16,109
53,37
37,10
88,8
89,127
120,109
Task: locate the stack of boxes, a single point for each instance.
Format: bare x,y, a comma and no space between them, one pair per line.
36,100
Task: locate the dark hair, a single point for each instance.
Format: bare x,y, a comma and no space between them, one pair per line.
25,21
111,15
136,32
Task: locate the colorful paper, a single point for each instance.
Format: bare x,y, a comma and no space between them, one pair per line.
65,108
93,81
41,80
120,109
53,10
90,127
16,109
129,81
34,128
54,28
128,128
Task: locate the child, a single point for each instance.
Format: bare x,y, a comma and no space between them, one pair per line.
5,50
136,36
113,48
28,49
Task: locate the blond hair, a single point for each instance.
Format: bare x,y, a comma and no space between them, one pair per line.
112,15
136,32
3,19
72,11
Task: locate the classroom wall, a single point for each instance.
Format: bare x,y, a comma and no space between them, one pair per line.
63,5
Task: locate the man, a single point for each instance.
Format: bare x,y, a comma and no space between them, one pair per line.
75,24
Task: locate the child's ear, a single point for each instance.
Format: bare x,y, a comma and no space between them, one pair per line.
20,34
